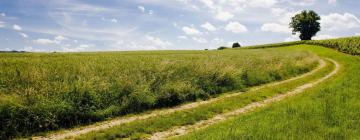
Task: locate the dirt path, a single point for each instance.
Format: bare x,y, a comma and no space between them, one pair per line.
221,117
122,120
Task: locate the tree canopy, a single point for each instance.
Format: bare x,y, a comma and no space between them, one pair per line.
307,23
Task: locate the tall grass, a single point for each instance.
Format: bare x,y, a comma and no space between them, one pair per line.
40,92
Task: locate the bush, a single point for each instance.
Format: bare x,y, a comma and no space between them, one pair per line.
222,48
236,45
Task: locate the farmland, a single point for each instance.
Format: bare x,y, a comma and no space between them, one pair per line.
318,113
48,91
179,70
149,93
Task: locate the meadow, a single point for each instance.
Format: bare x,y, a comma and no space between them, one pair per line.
48,91
328,111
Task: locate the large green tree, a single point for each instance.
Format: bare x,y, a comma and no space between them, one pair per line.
307,23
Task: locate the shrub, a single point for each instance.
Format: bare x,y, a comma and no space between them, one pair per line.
236,45
222,48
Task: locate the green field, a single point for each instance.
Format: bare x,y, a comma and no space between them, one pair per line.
328,111
41,92
48,91
145,128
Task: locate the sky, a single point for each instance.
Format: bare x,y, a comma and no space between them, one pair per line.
123,25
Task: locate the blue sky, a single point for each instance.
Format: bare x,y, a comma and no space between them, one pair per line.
117,25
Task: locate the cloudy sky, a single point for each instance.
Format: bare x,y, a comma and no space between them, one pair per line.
94,25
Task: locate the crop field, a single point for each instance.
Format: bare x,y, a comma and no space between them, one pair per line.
349,45
49,91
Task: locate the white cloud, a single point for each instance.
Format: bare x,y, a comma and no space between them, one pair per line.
175,24
278,11
2,24
285,17
319,37
113,20
225,10
357,34
78,7
262,3
31,49
199,39
84,46
60,38
338,22
57,40
81,47
191,31
292,38
24,35
182,37
223,15
17,27
43,41
302,2
236,27
208,26
141,8
217,40
3,14
158,42
276,28
208,3
331,1
132,45
151,12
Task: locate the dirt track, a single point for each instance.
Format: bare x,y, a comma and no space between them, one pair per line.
221,117
122,120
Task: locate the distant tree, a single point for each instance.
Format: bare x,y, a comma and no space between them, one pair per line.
307,23
236,45
222,48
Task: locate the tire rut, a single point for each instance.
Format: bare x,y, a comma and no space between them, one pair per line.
178,131
122,120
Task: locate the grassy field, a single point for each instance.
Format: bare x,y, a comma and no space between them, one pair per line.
145,128
41,91
328,111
